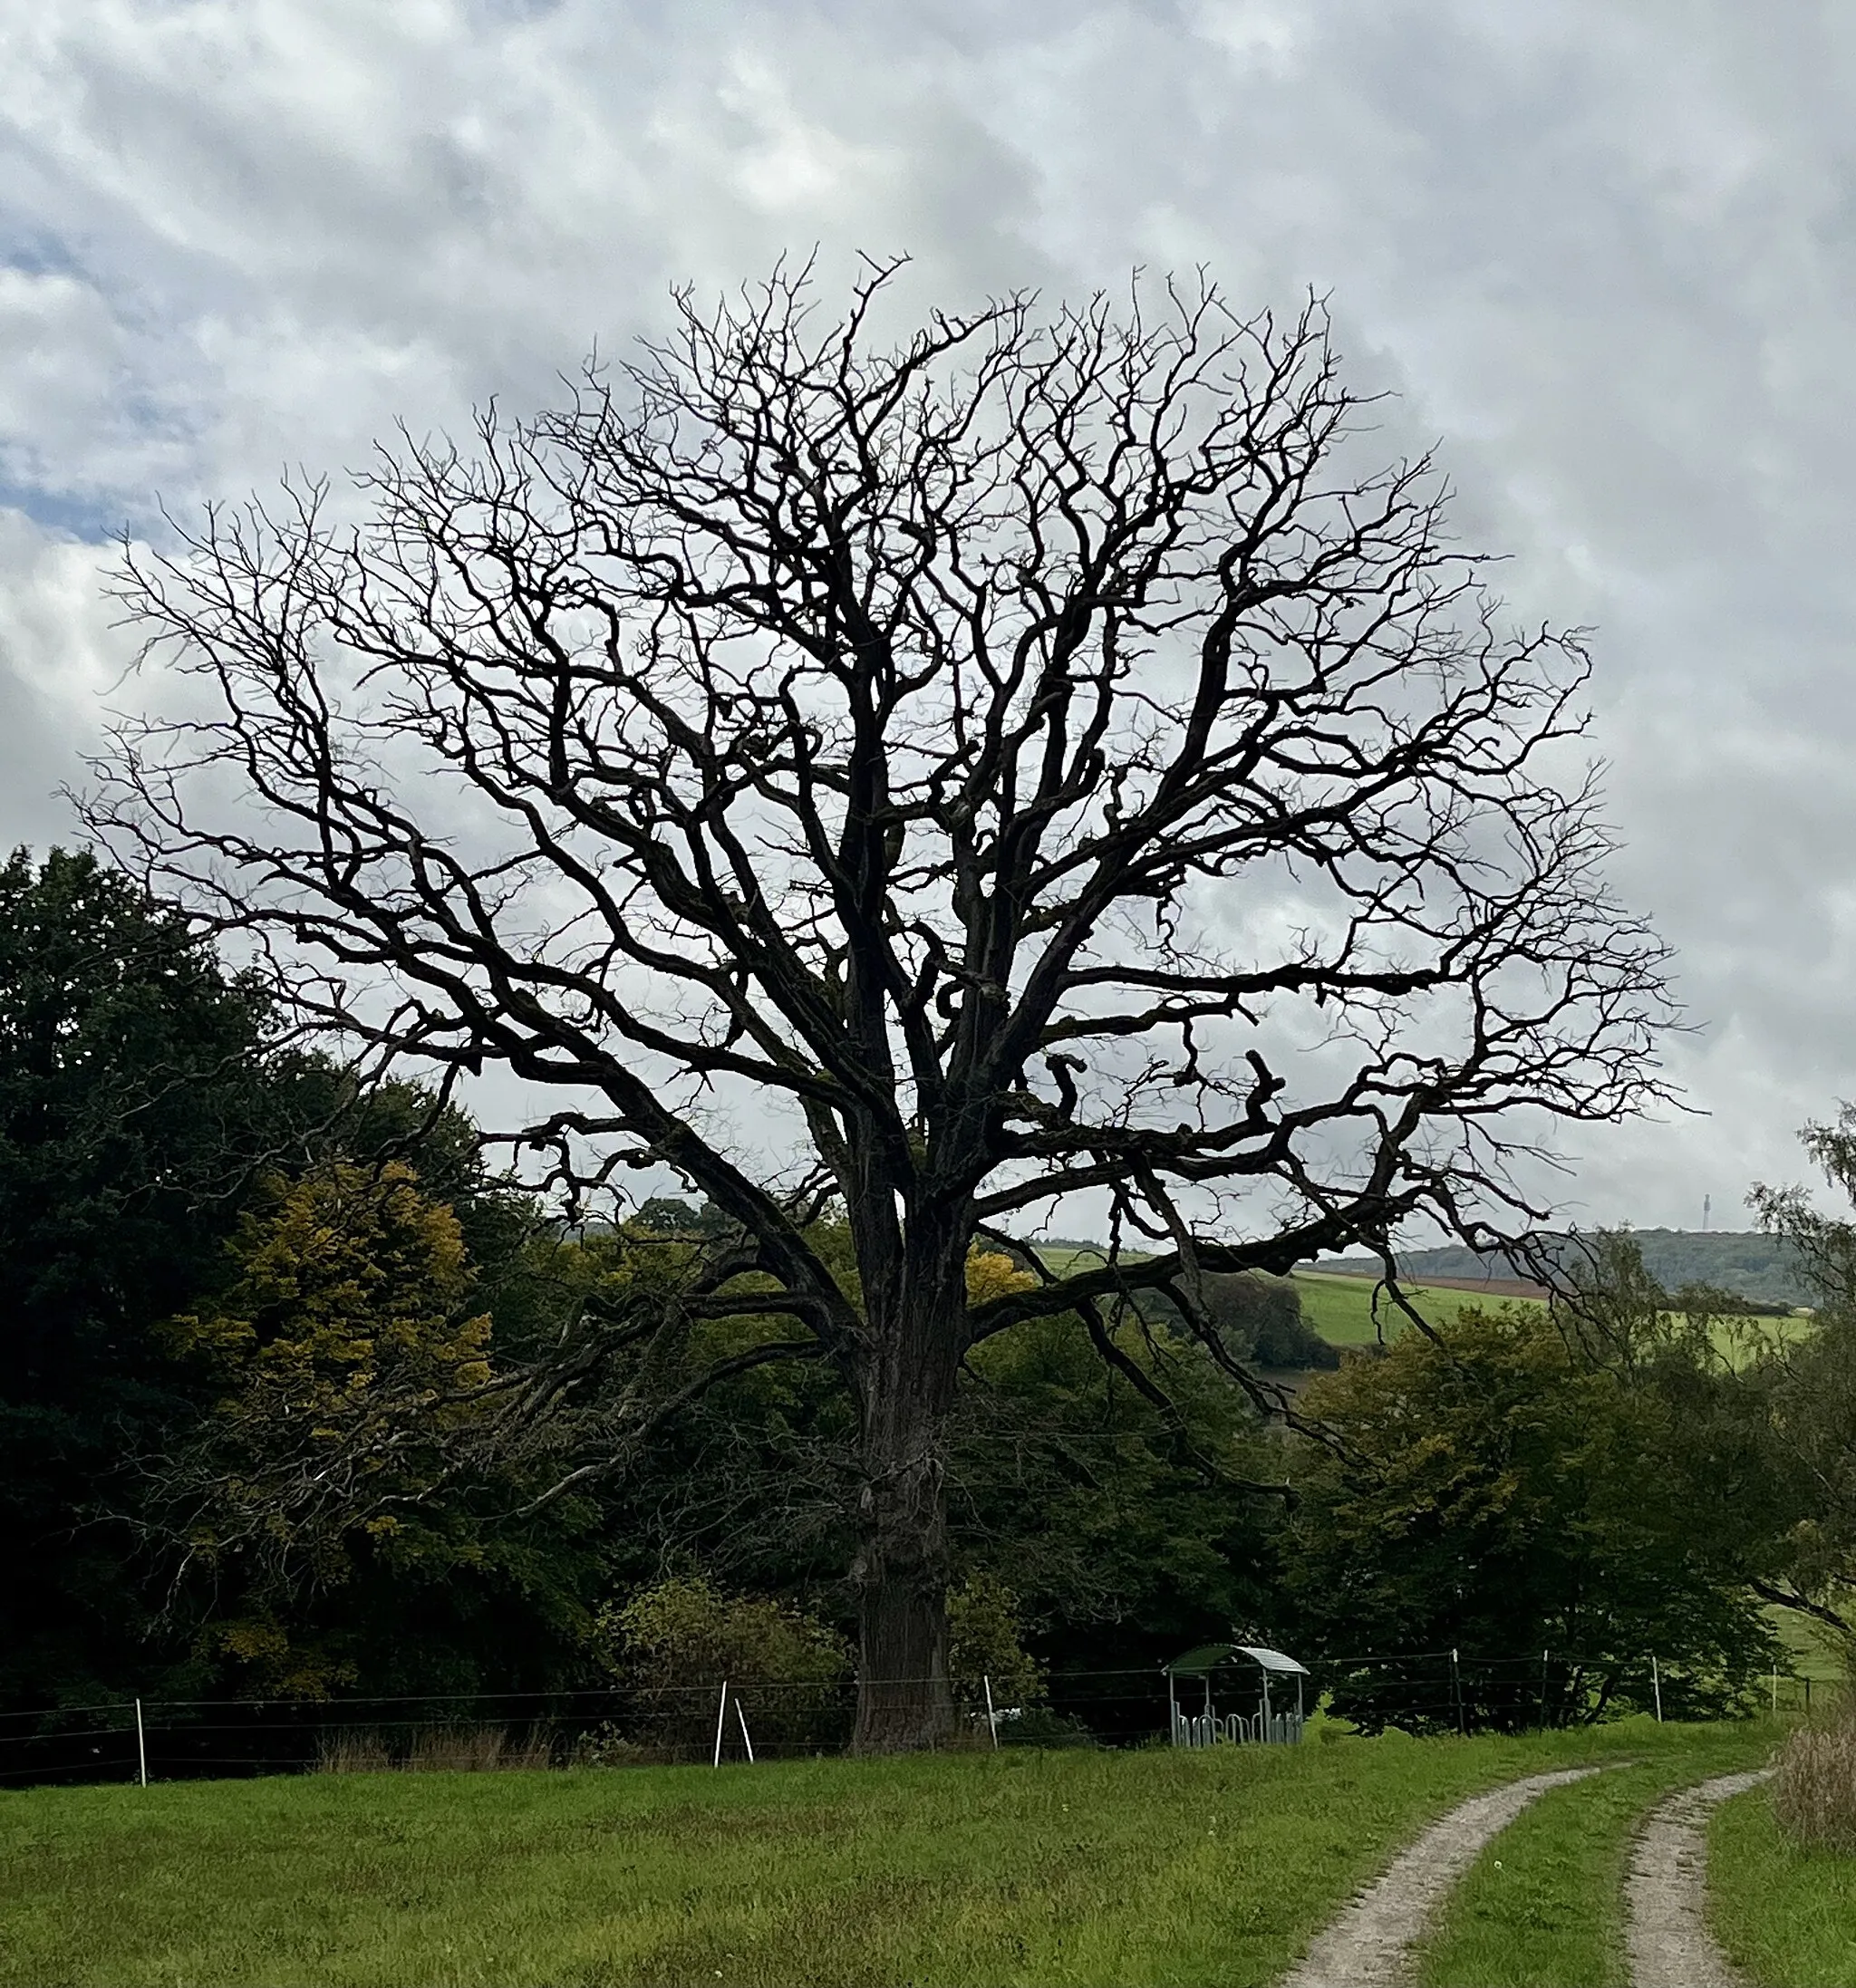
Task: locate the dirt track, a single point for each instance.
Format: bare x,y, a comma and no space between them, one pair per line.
1366,1947
1666,1893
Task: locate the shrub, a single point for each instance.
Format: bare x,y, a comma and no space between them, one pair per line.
986,1640
673,1646
1258,1317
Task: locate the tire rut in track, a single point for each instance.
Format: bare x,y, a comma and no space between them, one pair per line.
1369,1944
1666,1893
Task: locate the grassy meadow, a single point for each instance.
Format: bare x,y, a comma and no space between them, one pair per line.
1340,1309
1017,1867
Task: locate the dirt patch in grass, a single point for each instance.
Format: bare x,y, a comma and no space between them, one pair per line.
1542,1906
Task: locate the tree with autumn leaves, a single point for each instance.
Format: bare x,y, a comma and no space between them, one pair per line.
340,1358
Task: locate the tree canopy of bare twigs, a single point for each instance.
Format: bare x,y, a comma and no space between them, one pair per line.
1021,757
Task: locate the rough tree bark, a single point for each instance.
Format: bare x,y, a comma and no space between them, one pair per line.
1035,755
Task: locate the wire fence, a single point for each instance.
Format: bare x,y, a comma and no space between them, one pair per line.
719,1722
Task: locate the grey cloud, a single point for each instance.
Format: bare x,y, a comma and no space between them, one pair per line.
1605,253
61,660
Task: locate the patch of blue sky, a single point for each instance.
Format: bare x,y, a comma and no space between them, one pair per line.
89,515
36,252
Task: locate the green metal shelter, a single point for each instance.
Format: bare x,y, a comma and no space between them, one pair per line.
1231,1663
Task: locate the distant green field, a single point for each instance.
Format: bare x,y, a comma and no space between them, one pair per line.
1061,1258
986,1870
1340,1309
1812,1653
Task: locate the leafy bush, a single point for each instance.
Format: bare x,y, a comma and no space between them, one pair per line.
1257,1318
1493,1489
985,1641
673,1647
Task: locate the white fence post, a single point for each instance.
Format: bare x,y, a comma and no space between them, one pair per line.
746,1742
722,1714
141,1745
1655,1684
991,1716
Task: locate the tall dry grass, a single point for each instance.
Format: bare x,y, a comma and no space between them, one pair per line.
1815,1789
446,1749
353,1753
453,1750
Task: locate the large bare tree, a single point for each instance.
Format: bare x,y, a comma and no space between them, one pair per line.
1032,754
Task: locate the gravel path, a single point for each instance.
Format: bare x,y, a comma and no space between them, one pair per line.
1667,1890
1368,1944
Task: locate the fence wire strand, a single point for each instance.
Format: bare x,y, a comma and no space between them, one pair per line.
674,1721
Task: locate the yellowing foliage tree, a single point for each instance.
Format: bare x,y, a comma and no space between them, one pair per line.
346,1353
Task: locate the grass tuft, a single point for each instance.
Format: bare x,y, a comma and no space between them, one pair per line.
443,1750
1814,1791
354,1751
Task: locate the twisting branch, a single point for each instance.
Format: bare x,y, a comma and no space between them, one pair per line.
1039,758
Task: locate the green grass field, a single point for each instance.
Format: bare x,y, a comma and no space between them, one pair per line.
1340,1309
1016,1868
1786,1914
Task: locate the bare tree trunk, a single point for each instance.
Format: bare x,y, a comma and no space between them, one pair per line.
905,1699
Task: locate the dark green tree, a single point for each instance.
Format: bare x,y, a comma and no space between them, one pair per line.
135,1085
145,1095
337,1357
1804,1389
1129,1509
1522,1486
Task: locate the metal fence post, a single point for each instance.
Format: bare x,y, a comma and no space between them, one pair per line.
141,1745
991,1716
1456,1689
1655,1684
721,1714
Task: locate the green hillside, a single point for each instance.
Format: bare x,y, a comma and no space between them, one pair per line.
1747,1262
1340,1309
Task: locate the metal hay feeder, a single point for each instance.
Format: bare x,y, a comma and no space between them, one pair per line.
1265,1727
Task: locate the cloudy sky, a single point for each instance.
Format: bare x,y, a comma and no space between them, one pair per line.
1606,254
